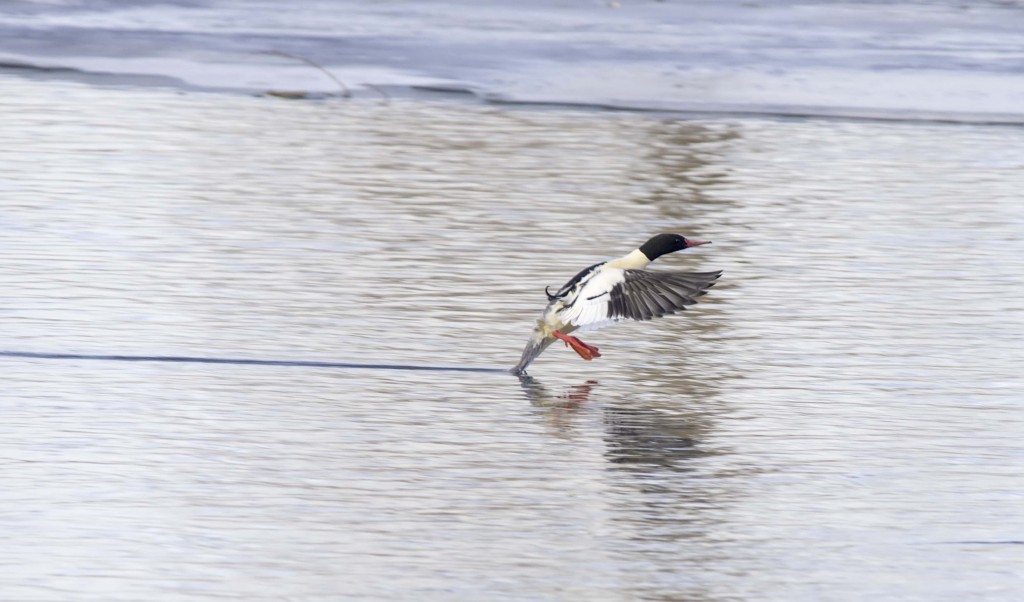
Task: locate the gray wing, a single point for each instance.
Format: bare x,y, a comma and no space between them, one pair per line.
644,295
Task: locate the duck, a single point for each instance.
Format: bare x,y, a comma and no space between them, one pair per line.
613,291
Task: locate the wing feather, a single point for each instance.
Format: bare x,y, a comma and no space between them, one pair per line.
615,294
672,291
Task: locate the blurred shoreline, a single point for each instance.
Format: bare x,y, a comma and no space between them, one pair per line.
901,60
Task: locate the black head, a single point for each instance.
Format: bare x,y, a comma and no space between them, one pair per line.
662,244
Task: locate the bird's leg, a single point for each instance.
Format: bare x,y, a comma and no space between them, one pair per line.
587,352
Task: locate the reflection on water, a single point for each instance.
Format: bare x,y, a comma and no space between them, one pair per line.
832,418
571,397
644,439
687,157
637,436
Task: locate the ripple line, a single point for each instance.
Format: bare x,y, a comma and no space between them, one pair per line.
241,361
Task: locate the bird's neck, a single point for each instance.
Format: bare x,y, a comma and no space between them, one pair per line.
634,260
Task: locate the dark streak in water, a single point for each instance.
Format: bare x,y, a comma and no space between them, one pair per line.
842,114
20,65
241,361
1008,542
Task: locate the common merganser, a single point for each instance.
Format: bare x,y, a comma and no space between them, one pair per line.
613,291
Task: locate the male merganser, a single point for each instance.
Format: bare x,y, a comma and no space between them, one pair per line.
612,291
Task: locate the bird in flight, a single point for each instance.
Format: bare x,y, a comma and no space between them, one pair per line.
613,291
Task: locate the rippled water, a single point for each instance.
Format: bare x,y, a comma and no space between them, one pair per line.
840,419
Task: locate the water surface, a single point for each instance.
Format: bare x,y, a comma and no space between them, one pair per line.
839,419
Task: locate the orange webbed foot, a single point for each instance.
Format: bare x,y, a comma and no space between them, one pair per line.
587,352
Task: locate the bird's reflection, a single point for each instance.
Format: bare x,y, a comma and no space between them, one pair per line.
657,446
644,437
567,397
558,407
647,439
638,435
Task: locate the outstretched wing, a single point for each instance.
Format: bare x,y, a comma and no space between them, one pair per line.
616,295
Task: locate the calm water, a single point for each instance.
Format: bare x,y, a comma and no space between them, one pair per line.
842,418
